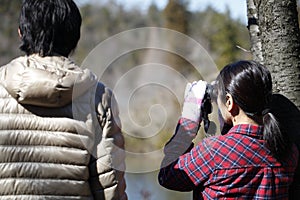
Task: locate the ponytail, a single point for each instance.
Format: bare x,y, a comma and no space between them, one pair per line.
273,136
250,85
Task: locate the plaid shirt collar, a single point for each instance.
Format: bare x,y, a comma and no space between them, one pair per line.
254,131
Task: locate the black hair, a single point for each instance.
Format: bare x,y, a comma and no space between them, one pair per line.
250,85
288,115
49,27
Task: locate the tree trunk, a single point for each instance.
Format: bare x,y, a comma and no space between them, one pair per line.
254,31
280,38
280,42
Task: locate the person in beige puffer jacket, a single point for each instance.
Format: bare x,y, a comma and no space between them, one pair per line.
60,133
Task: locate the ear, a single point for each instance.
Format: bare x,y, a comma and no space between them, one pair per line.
19,32
229,102
232,107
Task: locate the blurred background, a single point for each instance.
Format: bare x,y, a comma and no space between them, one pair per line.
220,27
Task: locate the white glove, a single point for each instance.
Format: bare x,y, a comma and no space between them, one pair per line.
193,95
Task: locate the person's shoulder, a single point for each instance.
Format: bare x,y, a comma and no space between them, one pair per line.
220,140
214,142
15,65
16,61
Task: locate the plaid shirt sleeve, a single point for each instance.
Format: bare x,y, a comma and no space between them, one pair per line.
171,175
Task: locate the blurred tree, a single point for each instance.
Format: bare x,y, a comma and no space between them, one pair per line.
154,16
176,18
103,21
220,35
9,14
226,39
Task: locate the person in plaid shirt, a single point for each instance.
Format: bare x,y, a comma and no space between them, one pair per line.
253,160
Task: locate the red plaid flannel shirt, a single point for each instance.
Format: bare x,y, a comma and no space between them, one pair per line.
232,166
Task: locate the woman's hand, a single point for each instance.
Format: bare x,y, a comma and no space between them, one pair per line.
193,96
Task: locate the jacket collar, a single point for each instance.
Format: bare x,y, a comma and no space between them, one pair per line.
255,131
52,81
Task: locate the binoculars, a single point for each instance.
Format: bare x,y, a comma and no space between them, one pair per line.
210,96
206,105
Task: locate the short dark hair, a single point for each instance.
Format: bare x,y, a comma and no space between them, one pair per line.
49,27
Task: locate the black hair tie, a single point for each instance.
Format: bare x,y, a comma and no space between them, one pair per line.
265,111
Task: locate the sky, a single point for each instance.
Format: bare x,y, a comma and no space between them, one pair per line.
238,8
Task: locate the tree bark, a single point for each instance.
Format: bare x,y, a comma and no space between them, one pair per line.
254,31
280,38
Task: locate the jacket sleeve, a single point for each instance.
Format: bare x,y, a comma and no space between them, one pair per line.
170,176
108,161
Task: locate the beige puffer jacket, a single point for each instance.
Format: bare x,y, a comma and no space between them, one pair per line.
60,134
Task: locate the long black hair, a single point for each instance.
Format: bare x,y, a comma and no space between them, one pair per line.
250,85
49,27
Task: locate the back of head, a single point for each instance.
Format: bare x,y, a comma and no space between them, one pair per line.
250,85
49,27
